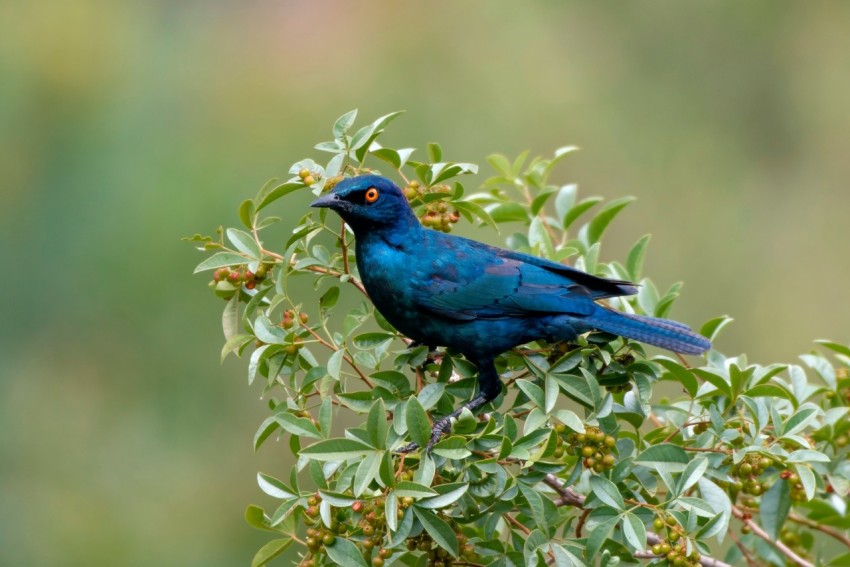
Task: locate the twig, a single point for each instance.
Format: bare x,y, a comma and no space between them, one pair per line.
569,497
821,528
744,551
344,247
515,523
345,357
320,270
757,529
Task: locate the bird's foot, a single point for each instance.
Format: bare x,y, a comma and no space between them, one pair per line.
440,428
444,425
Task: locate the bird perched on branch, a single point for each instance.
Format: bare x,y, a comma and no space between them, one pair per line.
445,290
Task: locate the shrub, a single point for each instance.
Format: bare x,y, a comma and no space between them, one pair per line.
578,462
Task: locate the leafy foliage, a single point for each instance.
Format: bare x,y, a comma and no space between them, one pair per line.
582,464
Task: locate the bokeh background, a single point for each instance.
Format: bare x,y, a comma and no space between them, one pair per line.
126,125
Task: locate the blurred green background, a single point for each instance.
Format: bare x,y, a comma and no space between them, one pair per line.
126,125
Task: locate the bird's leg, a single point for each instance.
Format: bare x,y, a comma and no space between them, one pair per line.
489,387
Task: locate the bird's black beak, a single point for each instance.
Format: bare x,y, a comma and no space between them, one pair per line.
329,201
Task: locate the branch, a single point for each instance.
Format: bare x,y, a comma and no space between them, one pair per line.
757,529
345,357
821,528
569,497
320,270
744,551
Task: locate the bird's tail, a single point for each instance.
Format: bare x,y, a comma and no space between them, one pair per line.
663,333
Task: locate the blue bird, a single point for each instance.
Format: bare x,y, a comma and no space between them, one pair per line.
445,290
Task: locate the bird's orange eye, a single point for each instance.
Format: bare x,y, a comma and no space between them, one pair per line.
371,195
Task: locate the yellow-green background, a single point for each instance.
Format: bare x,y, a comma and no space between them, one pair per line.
126,125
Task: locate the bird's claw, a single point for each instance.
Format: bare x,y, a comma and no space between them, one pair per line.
439,428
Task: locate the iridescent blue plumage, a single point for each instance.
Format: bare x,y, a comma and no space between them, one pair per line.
444,290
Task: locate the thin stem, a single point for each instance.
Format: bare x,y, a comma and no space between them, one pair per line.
515,523
757,529
744,551
345,357
821,528
344,247
320,270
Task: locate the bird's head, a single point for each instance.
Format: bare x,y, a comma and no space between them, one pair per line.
368,202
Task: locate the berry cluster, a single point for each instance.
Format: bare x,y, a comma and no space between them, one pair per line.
307,176
593,446
228,279
439,557
793,540
317,535
748,473
798,493
372,523
673,547
436,215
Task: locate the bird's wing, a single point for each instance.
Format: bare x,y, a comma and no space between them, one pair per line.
465,280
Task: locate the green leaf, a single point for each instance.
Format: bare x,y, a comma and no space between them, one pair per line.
634,261
329,298
575,212
807,456
344,552
712,328
664,456
475,210
799,420
368,341
807,479
680,374
839,348
447,494
343,123
438,529
246,213
598,536
366,472
716,380
719,501
435,152
535,502
418,425
297,425
335,364
274,488
510,211
362,139
413,489
452,448
268,196
601,221
337,449
234,344
336,499
220,260
533,391
256,517
268,332
271,550
770,391
774,507
691,475
501,164
376,424
244,242
607,492
634,531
